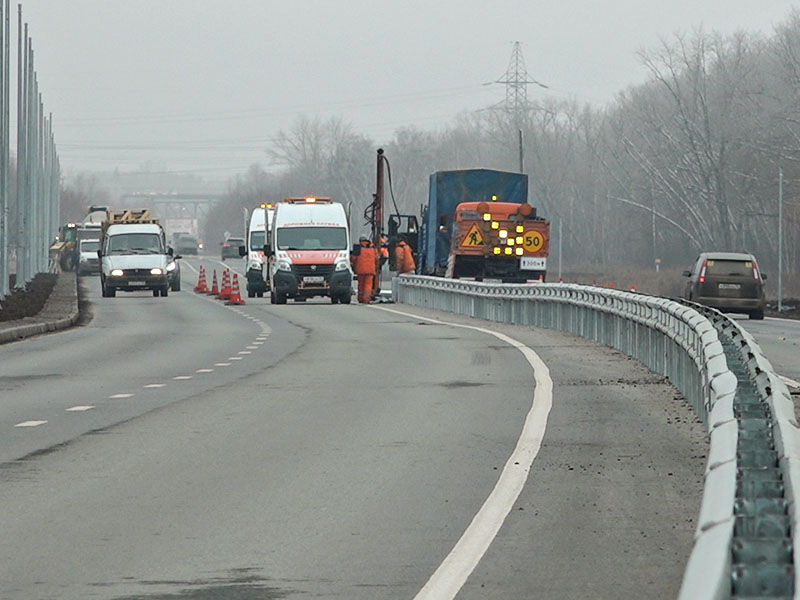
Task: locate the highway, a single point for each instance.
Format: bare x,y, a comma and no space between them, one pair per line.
780,341
180,448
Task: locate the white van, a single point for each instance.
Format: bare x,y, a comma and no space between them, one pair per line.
133,256
257,271
309,250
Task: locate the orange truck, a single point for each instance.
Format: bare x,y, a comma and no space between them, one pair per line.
498,240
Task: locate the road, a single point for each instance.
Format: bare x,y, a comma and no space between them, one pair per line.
780,341
179,448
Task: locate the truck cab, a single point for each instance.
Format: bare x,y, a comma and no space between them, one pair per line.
133,254
308,251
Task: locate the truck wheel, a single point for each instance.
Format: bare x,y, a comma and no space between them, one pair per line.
334,299
155,293
280,298
250,293
165,291
757,315
260,294
345,299
176,287
109,292
272,298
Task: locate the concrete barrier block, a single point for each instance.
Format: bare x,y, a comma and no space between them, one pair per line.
722,449
708,572
718,495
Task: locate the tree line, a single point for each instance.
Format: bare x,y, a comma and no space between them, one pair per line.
687,161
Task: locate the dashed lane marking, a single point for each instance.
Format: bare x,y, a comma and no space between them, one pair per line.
30,423
79,408
450,576
235,357
222,364
245,352
204,371
182,377
252,347
155,385
790,382
120,396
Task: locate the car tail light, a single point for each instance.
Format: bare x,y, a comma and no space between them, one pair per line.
702,278
756,275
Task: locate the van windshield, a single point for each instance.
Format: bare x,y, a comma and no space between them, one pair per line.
135,243
257,240
312,238
90,246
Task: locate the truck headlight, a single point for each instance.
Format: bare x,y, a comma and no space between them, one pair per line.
342,266
283,265
117,273
156,271
171,266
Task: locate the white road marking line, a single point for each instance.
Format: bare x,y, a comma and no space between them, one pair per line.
204,371
222,364
30,423
155,385
252,347
182,377
256,344
235,357
451,575
119,396
790,382
245,352
190,265
79,408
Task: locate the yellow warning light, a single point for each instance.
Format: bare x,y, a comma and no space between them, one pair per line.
519,239
510,241
509,250
497,249
518,250
495,225
494,198
311,199
263,205
503,233
487,216
270,205
520,228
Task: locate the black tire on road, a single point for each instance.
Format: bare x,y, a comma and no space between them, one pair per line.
346,299
165,291
155,293
757,315
176,287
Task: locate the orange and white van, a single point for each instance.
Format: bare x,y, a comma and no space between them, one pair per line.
309,251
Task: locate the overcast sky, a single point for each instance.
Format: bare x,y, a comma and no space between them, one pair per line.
202,86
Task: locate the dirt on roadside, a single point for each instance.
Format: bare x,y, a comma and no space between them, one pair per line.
28,301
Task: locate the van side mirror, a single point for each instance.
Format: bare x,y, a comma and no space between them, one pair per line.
170,251
764,276
267,250
99,254
242,250
687,273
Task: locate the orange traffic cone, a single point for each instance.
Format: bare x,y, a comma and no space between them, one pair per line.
236,297
633,288
225,290
201,287
541,278
214,291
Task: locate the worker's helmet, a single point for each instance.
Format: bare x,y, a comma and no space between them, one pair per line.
363,238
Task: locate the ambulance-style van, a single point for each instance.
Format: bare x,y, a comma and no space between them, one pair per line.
257,268
309,251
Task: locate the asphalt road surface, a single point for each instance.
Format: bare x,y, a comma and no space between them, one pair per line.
178,448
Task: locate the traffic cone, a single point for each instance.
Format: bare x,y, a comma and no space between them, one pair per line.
225,290
236,297
214,291
633,288
201,287
541,278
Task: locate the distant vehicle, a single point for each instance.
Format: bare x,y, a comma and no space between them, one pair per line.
88,261
187,243
230,247
174,273
727,281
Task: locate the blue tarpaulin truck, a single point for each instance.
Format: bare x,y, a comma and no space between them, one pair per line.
478,223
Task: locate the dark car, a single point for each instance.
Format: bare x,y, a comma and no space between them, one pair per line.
727,281
174,273
230,247
186,244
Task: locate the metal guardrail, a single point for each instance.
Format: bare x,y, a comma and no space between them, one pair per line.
686,346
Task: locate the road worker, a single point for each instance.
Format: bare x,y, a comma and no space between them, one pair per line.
364,260
404,257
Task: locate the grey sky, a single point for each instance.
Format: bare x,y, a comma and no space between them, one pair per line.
202,86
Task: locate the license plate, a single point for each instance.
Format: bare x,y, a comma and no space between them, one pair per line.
532,263
136,283
729,286
314,279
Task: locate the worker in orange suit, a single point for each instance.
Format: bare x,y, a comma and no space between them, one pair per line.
404,257
364,260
